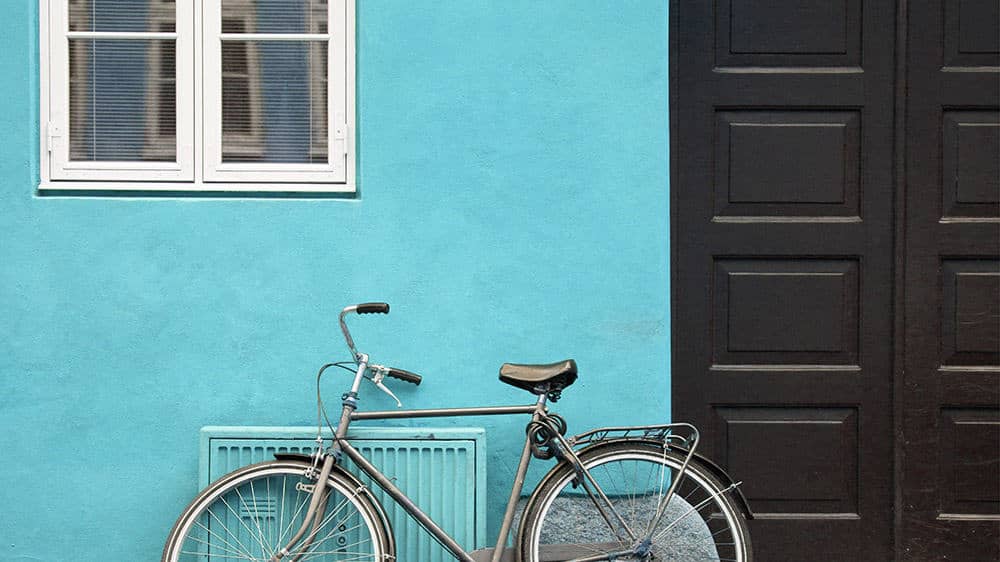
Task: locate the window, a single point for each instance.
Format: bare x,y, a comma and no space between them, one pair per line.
199,95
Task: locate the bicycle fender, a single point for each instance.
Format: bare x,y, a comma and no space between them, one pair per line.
295,457
308,461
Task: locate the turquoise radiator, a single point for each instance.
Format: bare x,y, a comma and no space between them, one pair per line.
442,469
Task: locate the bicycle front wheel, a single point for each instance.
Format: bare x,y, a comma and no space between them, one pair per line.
252,513
700,523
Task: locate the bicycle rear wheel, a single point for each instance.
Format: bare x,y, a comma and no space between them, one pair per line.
250,514
700,523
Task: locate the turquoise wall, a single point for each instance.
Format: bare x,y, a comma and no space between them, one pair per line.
513,176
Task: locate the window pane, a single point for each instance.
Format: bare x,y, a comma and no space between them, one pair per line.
122,15
276,16
122,100
274,102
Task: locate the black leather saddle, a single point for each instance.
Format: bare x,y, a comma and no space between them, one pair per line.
540,379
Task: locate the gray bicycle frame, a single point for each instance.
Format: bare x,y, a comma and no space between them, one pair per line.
538,411
342,444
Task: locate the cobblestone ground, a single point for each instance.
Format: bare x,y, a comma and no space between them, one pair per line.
687,541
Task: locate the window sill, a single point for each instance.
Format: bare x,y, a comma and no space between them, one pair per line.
194,190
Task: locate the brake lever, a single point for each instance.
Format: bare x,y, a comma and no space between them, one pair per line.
377,380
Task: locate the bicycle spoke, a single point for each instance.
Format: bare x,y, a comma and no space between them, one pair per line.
722,530
281,513
243,552
242,501
333,533
301,501
341,549
659,494
271,528
329,517
340,506
255,516
359,555
228,532
696,508
240,557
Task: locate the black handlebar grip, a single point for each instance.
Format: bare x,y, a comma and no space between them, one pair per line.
404,375
373,308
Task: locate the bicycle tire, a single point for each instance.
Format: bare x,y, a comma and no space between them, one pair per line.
634,475
249,513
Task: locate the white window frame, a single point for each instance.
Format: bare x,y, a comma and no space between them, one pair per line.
199,166
55,115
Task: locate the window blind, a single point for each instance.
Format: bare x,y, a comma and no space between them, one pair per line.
122,80
274,81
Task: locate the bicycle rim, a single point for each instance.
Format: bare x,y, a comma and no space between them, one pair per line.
699,523
250,514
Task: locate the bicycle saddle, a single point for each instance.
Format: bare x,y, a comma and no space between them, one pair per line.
540,379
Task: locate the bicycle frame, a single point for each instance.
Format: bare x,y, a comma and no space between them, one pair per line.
539,413
343,445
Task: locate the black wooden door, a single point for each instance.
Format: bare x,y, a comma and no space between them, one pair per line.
821,242
782,268
950,392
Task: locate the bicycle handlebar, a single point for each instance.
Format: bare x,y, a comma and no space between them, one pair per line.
373,308
405,376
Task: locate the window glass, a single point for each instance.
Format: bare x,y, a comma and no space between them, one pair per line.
276,16
274,91
273,101
119,109
122,90
121,15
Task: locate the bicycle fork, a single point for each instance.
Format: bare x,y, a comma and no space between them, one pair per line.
314,514
317,504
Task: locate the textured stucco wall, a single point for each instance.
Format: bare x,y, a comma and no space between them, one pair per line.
513,197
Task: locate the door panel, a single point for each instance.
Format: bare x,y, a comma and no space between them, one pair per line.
782,234
951,391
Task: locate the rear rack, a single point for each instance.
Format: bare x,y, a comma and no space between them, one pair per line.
683,435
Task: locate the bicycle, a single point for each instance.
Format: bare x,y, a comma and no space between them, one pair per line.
615,493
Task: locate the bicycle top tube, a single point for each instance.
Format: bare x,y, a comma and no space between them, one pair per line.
449,412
